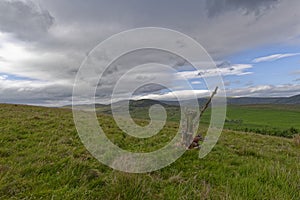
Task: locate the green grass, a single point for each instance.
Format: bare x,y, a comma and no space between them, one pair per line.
272,116
279,120
41,157
276,120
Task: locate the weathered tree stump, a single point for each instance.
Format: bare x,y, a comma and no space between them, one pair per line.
192,118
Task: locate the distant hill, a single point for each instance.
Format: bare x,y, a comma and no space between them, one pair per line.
142,103
247,101
293,100
264,100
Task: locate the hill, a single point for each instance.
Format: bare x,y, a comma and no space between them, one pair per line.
293,100
41,157
264,100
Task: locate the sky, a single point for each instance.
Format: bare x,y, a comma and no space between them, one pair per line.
255,45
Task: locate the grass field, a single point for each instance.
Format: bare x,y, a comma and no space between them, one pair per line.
41,157
276,120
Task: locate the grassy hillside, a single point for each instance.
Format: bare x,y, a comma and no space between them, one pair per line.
277,120
41,156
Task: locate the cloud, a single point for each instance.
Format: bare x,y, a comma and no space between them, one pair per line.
274,57
22,60
182,94
48,41
295,72
236,69
229,83
87,23
3,77
257,7
34,91
24,19
196,82
284,90
253,91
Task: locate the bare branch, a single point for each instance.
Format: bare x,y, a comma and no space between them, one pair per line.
208,102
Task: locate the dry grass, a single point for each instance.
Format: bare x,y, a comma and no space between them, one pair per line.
297,140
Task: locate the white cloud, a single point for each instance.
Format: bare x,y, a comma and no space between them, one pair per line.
19,59
11,51
266,91
274,57
254,91
196,82
183,94
237,69
3,77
